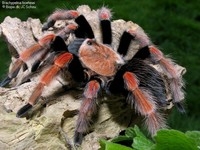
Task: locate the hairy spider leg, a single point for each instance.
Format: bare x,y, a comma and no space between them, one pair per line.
167,66
87,110
84,29
37,63
59,15
125,42
143,51
176,81
105,17
149,79
64,33
144,103
13,73
57,45
26,55
141,37
59,63
50,41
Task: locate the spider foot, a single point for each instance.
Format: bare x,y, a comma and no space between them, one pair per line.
5,82
78,138
22,112
180,107
47,25
13,73
35,65
25,67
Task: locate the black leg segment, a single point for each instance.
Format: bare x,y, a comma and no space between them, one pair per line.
76,69
142,53
59,45
124,43
106,31
84,29
23,111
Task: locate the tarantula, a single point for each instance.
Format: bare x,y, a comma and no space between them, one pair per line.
97,65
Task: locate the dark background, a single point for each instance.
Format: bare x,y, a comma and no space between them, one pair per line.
174,25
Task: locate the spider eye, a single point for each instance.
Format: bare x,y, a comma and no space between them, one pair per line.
89,43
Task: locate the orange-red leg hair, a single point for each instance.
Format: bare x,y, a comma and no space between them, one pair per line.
47,77
144,103
57,45
87,110
60,62
43,46
167,66
44,42
26,55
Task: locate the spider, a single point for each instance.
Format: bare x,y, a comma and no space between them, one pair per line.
98,66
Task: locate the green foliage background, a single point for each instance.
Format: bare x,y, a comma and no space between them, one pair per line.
174,25
165,139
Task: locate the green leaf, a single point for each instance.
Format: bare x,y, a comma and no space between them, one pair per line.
133,132
194,135
130,132
105,145
102,144
121,139
173,140
140,142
